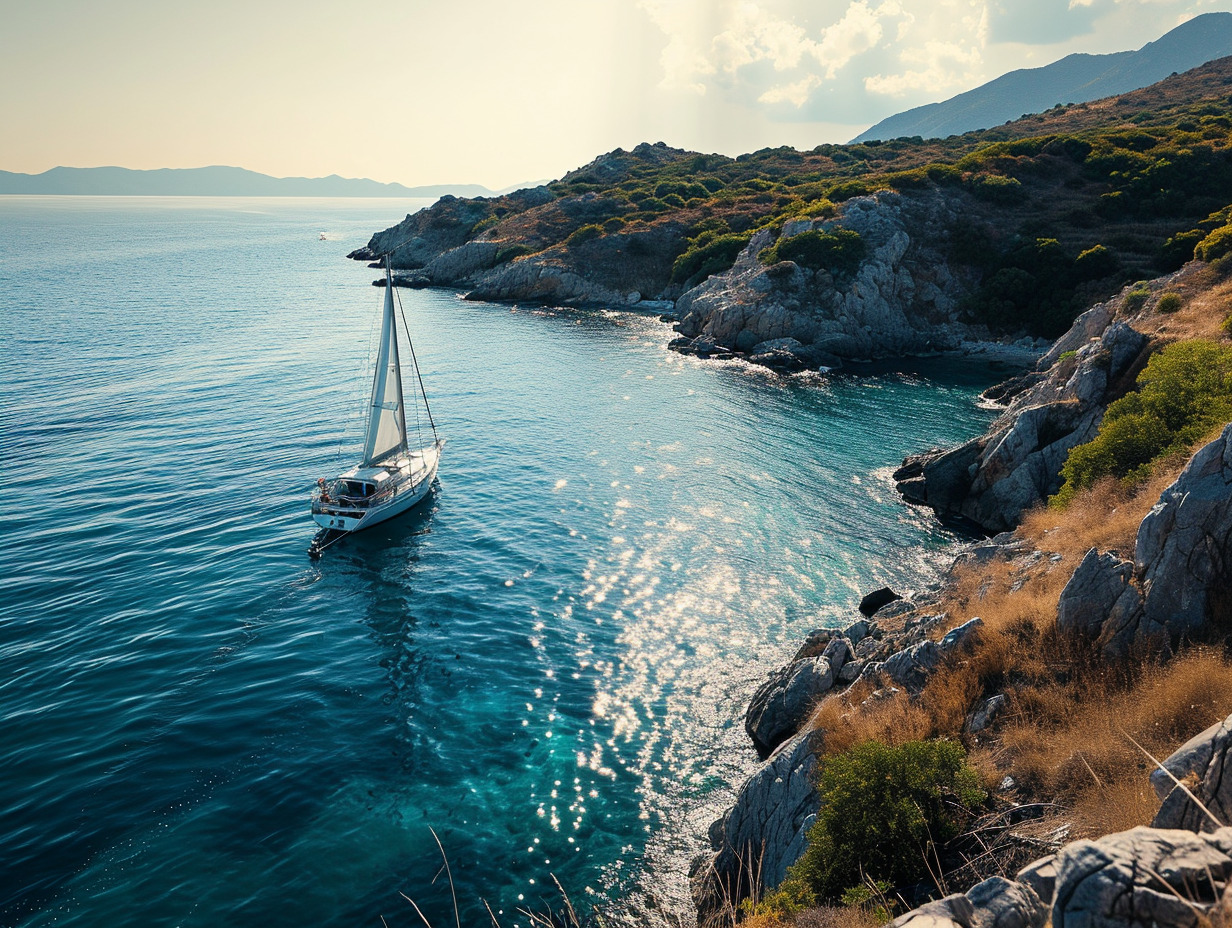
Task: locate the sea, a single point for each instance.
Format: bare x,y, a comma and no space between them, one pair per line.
528,690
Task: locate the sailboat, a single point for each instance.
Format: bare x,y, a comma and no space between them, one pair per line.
391,476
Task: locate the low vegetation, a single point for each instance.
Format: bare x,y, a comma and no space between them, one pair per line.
838,252
1183,395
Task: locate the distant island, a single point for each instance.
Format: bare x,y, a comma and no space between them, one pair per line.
1073,79
216,181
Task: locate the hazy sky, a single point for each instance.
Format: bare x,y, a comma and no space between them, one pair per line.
495,91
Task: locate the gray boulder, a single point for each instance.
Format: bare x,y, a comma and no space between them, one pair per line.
1041,876
987,710
1097,583
1144,877
1203,762
761,835
994,903
911,667
783,703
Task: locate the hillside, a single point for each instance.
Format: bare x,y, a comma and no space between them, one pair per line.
1073,79
855,251
217,181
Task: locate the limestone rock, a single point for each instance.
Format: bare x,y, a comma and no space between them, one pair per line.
782,704
994,903
1041,876
912,666
984,714
1097,583
1204,758
762,834
1142,877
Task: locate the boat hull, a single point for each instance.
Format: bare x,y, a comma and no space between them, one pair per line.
412,489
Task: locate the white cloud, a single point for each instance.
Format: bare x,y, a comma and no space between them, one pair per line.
796,94
858,31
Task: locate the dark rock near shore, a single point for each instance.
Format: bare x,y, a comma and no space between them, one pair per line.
876,599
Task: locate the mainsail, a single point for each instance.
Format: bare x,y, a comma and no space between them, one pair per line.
386,418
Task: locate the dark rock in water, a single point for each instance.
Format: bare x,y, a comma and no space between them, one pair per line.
876,599
1009,389
410,281
363,254
1206,758
376,264
778,359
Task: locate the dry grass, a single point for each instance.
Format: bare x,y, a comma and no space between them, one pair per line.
839,917
1070,741
1105,516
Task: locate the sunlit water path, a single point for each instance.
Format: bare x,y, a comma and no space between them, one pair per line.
548,664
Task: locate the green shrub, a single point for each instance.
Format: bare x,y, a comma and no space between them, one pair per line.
884,810
1096,263
1183,394
839,252
1178,249
587,233
1136,298
1215,245
709,253
1170,302
997,189
615,224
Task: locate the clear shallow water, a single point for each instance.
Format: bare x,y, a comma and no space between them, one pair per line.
548,663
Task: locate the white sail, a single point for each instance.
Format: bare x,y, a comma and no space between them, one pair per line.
386,417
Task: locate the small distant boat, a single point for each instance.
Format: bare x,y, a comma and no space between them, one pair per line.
391,476
323,237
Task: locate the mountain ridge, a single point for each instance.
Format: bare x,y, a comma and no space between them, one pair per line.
1077,78
214,180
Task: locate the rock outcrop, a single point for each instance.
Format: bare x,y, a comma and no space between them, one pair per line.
1180,582
994,903
1204,766
781,705
761,835
988,483
902,299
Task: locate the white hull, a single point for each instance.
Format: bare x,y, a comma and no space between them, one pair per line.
410,482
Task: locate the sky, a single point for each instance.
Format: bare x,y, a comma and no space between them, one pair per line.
497,92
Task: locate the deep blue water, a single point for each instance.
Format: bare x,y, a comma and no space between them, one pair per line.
547,664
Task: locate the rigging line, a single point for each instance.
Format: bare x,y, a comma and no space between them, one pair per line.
414,360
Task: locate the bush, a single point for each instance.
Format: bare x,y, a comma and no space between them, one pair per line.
1184,393
1096,263
709,253
1170,302
1215,245
885,808
1136,298
839,252
583,235
1178,250
997,189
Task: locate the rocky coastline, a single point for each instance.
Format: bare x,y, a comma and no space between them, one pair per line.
1170,590
903,299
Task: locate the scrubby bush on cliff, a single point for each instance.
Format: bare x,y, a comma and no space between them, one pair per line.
1184,393
838,252
1215,245
884,811
587,233
709,252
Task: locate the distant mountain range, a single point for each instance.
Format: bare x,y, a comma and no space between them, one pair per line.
213,182
1073,79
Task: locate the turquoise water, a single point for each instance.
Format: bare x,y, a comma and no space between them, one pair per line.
547,663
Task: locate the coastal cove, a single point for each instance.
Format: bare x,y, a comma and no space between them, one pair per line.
549,665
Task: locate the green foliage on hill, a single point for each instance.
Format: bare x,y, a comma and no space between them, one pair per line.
838,252
1052,211
1184,393
885,809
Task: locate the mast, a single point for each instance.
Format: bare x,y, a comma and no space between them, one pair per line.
386,414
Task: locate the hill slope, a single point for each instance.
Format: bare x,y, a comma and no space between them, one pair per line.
216,181
1073,79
